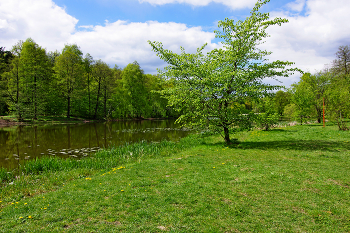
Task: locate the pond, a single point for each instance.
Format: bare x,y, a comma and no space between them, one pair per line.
24,142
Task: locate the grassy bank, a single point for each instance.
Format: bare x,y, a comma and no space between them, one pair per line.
293,179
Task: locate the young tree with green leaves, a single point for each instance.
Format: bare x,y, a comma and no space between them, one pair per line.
281,100
266,114
302,98
210,89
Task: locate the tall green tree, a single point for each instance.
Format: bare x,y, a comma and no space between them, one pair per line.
338,101
210,89
36,73
302,98
13,82
5,60
281,100
88,64
5,66
157,104
133,81
266,114
338,93
309,93
102,74
69,70
341,65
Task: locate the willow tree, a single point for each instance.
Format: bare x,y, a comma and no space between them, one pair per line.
210,89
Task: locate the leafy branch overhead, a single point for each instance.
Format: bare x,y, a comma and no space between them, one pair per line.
210,89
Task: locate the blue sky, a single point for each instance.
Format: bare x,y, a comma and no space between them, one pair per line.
116,31
93,12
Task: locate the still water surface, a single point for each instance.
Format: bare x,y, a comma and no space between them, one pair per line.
20,143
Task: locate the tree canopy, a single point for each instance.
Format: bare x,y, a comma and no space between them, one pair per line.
210,89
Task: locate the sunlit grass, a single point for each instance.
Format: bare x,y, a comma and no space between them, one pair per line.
293,179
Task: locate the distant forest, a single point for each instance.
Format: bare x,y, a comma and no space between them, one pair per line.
36,83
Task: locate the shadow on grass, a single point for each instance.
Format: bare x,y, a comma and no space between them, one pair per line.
302,145
305,145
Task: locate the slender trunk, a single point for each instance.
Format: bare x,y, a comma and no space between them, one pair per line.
35,104
17,95
68,94
68,106
227,135
266,127
89,95
105,102
319,114
98,96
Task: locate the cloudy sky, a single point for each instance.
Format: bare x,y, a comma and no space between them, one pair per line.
117,31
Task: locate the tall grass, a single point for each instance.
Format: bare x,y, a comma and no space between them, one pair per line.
5,175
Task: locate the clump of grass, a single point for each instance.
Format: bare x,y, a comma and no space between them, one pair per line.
5,175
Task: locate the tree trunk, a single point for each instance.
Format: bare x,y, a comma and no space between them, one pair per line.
89,95
17,96
98,96
227,135
319,114
105,102
68,107
35,99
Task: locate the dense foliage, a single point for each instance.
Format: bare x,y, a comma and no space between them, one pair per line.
211,89
330,87
36,83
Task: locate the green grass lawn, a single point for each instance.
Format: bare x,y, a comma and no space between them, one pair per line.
294,179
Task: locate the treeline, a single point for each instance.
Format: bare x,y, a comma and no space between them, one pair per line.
304,100
35,83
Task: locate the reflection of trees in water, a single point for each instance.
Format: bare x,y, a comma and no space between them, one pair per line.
36,141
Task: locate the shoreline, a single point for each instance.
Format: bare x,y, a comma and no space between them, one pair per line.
8,122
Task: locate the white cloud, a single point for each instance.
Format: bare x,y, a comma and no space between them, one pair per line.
298,5
310,40
122,42
233,4
86,26
118,43
41,20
